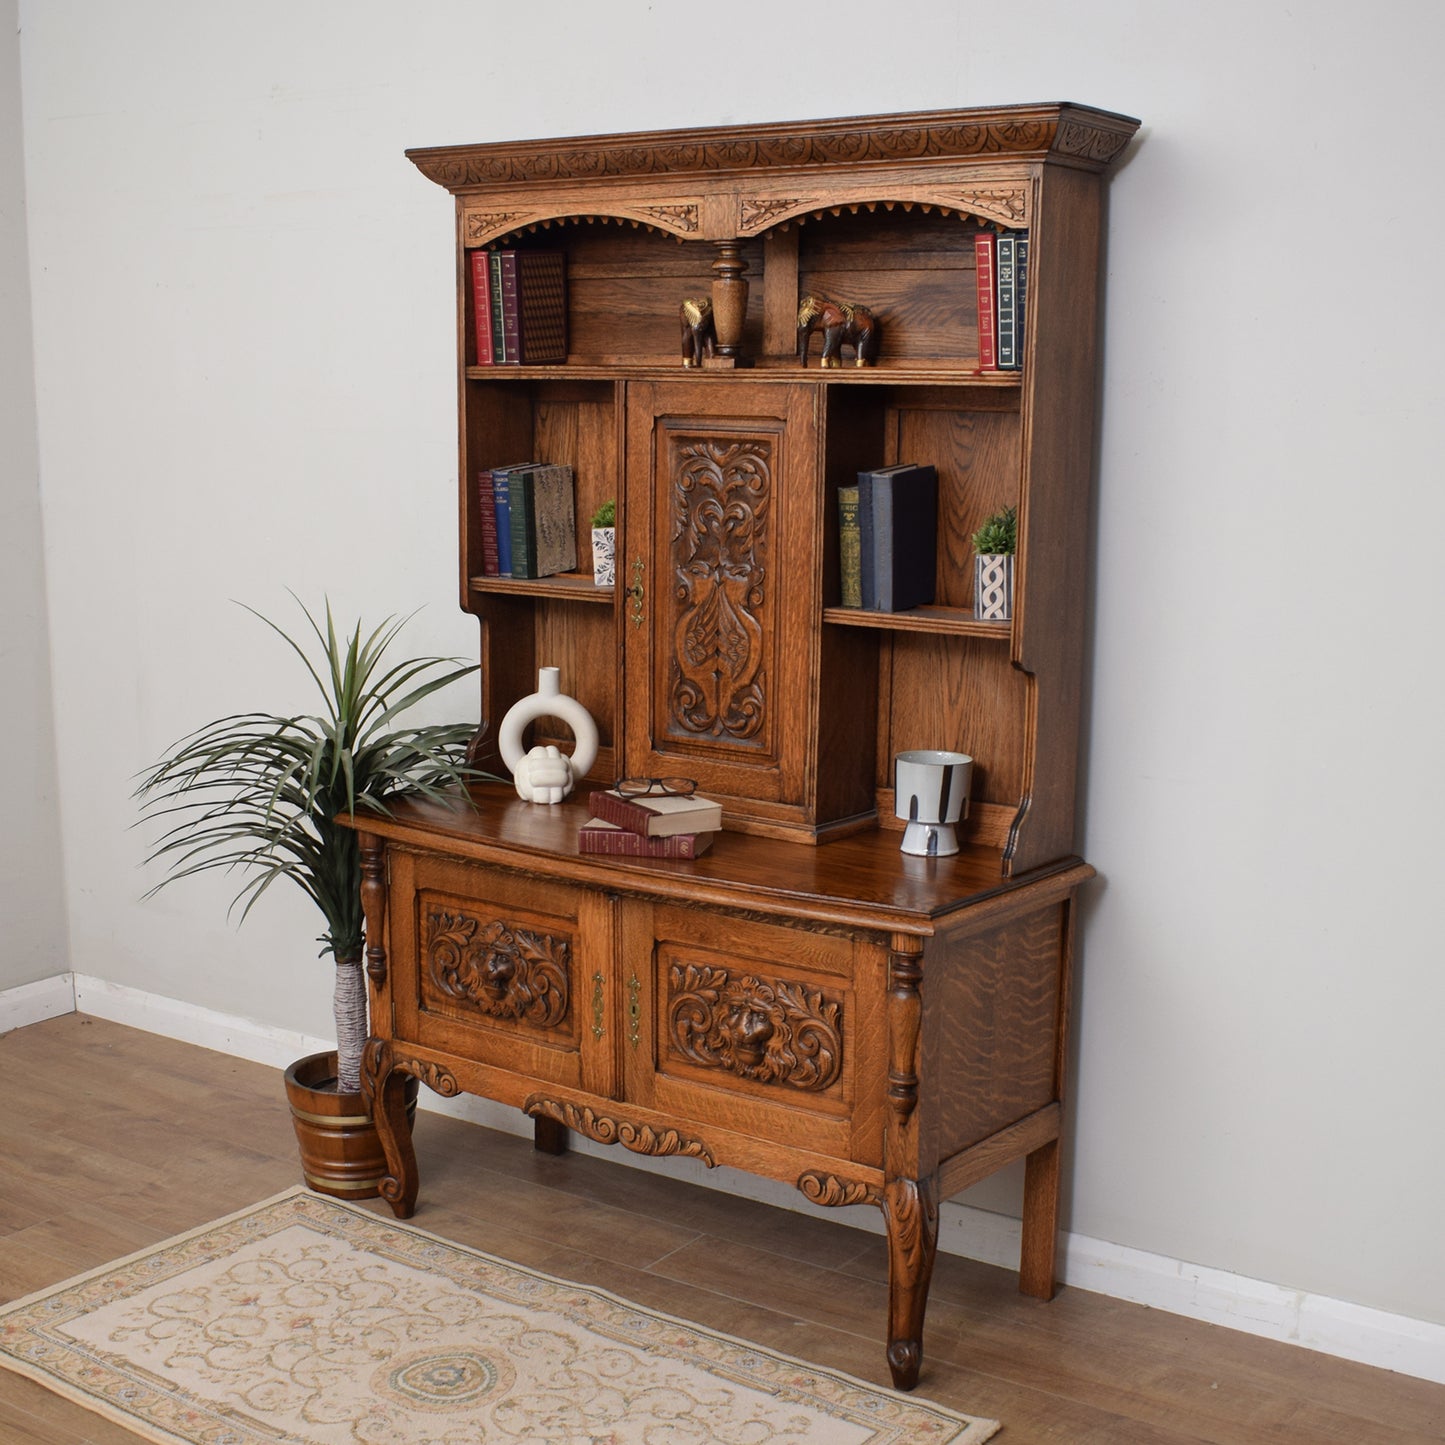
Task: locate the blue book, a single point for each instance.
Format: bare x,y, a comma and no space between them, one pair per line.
502,506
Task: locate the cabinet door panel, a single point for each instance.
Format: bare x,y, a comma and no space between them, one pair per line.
755,1026
721,537
493,967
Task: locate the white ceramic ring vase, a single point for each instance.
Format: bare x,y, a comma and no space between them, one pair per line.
548,701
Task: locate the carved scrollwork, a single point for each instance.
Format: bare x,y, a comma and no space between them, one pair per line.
759,212
506,972
487,225
830,1191
683,217
722,496
771,1032
640,1138
434,1076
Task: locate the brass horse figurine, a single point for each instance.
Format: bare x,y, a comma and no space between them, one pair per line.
842,324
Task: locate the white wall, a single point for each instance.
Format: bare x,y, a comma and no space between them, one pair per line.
32,895
242,305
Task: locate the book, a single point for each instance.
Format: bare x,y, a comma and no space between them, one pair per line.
482,305
543,521
1005,332
600,836
899,528
487,523
494,266
656,815
534,306
850,575
984,244
1021,292
522,530
553,516
502,512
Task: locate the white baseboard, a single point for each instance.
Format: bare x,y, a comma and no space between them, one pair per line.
30,1003
1316,1322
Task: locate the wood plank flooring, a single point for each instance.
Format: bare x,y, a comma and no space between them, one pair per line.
112,1139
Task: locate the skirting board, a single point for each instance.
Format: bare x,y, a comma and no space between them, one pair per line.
1315,1322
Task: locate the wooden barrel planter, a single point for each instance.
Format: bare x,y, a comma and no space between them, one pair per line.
341,1152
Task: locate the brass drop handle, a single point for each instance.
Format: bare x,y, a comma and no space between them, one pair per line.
636,591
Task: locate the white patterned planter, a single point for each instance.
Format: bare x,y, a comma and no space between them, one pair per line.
604,556
993,586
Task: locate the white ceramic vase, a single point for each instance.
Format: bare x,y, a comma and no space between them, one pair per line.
544,774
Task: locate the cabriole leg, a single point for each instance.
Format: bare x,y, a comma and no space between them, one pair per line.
910,1209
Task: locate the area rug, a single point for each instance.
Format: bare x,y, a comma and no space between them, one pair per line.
310,1321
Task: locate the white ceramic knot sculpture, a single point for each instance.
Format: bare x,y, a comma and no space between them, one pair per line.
544,774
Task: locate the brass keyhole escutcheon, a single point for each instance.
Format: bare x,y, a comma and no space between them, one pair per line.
634,1011
598,1005
635,592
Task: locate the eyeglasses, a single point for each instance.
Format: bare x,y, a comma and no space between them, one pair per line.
668,787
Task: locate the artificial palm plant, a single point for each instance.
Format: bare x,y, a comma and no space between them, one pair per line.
261,793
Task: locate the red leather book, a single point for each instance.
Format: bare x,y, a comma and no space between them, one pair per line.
600,836
482,305
984,245
657,815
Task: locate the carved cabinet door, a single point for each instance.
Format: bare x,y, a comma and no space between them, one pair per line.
504,978
721,558
770,1029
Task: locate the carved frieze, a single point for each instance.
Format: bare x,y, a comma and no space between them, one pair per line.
900,140
768,1031
506,972
632,1134
722,490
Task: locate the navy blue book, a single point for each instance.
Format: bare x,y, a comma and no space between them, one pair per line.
502,507
898,527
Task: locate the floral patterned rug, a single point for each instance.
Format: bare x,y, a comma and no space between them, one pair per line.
311,1321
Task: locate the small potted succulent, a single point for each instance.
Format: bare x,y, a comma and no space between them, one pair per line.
994,545
604,544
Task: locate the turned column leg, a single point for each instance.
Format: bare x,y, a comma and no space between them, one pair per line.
910,1209
384,1089
1041,1222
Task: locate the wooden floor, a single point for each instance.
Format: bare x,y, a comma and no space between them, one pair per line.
111,1139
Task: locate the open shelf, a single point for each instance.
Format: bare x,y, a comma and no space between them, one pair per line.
566,586
955,621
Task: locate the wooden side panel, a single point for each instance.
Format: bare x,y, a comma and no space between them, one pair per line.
995,1014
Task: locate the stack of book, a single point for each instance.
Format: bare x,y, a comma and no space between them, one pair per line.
527,514
888,538
655,825
1002,264
519,306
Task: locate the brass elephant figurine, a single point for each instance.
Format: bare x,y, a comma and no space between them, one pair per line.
842,324
699,333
